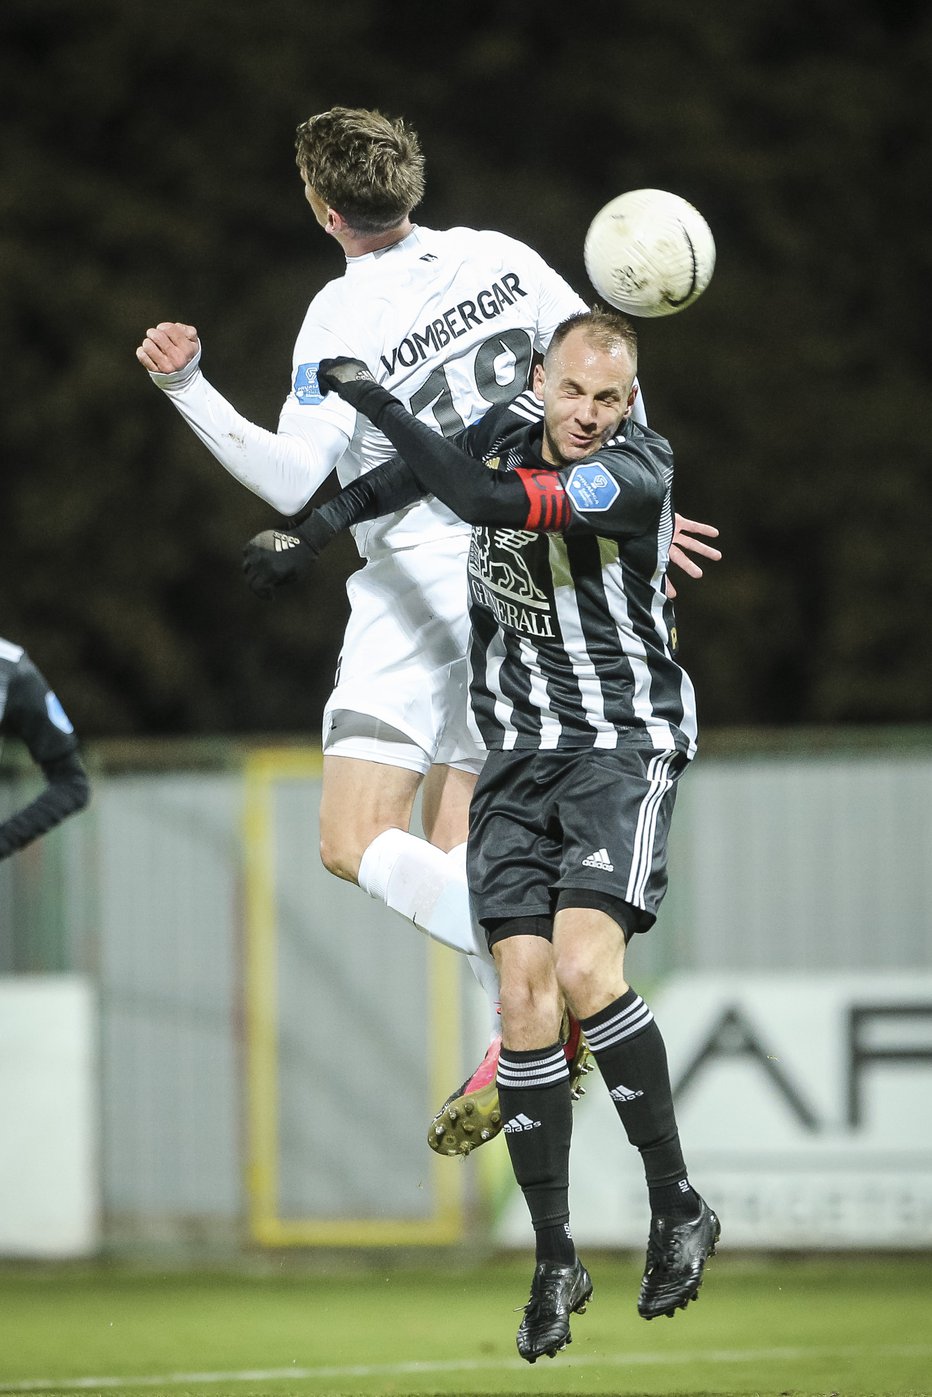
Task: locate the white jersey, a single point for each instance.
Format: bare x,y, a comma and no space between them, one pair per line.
448,321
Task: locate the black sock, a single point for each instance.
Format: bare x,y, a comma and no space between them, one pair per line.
679,1200
534,1095
555,1244
628,1048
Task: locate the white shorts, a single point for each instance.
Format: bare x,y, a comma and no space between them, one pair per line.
403,662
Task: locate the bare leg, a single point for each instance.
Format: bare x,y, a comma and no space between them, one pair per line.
445,805
360,800
589,953
365,814
531,1004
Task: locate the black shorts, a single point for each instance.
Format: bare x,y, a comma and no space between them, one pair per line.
545,824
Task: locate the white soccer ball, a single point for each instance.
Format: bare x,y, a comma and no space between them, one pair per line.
649,253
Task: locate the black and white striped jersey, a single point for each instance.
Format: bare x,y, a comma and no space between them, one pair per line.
573,638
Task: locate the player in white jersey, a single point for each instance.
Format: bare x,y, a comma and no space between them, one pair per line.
450,321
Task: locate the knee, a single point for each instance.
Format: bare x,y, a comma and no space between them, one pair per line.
517,999
581,977
530,1009
338,854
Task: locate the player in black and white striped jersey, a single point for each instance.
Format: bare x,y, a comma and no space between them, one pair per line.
572,635
590,721
31,711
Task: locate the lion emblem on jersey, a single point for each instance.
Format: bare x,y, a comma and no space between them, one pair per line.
498,558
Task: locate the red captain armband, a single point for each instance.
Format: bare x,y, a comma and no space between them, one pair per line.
548,507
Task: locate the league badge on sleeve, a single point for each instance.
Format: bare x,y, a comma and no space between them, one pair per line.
306,388
591,488
57,714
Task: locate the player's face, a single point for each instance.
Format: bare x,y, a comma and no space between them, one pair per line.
586,392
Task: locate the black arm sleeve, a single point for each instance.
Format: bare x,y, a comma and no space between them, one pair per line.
383,490
68,791
521,498
478,495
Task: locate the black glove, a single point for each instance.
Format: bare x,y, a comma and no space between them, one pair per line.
277,556
352,381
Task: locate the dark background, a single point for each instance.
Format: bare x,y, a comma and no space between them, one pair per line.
149,175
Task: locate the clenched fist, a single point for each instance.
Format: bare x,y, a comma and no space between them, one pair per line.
169,348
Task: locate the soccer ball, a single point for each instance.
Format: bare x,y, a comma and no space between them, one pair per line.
649,253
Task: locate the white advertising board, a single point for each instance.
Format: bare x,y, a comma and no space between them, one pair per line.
49,1190
804,1105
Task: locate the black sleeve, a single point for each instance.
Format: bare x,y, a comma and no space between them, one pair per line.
34,714
435,466
442,468
546,501
619,491
68,791
383,490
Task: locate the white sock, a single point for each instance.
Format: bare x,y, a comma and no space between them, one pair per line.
429,888
422,883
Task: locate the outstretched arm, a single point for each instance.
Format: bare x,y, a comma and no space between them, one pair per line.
520,498
284,467
541,499
428,464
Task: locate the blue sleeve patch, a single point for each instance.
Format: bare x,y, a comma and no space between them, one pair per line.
591,488
57,714
306,388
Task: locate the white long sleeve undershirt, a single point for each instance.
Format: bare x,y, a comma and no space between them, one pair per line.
282,469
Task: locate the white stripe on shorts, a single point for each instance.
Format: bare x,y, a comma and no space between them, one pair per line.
659,783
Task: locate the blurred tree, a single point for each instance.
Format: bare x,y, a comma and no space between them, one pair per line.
150,175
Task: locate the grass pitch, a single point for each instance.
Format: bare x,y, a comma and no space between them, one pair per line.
842,1326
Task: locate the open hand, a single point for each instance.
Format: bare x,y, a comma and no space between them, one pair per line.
684,544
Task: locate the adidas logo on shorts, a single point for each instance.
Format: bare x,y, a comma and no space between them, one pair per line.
599,859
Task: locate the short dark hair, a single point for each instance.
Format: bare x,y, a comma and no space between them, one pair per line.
366,166
608,329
